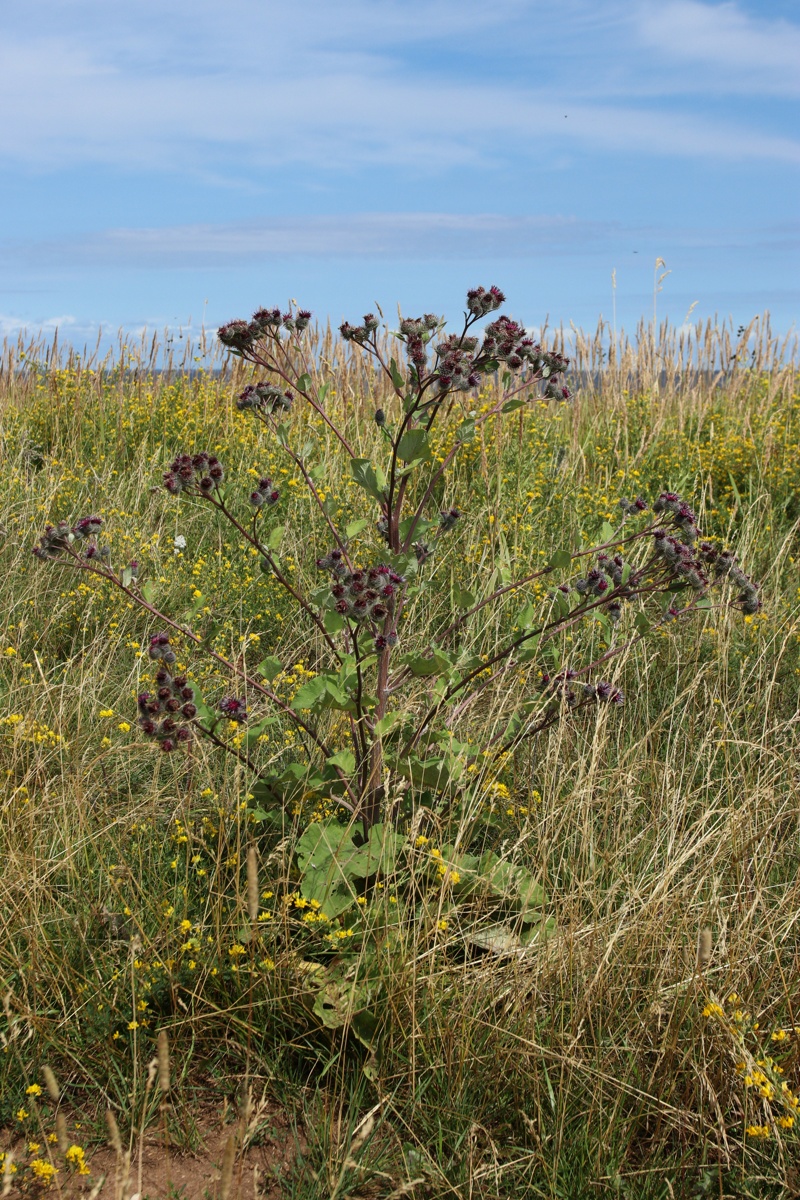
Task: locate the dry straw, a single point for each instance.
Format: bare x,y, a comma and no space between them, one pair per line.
113,1132
51,1083
163,1061
704,948
226,1179
252,883
62,1133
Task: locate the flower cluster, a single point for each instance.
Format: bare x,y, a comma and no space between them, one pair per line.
264,397
726,566
361,595
359,333
564,685
682,515
681,560
265,493
632,506
448,518
457,369
162,716
417,332
480,302
58,538
197,474
240,336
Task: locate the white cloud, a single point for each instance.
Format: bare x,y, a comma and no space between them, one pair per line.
741,52
358,235
249,88
12,326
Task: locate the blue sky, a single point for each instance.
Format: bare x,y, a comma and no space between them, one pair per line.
165,162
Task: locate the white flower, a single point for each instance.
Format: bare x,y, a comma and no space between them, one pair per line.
179,543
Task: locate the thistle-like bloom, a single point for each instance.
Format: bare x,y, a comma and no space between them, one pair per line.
233,708
264,397
480,301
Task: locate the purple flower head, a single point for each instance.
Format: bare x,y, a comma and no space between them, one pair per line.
448,518
233,708
237,336
480,301
385,641
266,319
87,527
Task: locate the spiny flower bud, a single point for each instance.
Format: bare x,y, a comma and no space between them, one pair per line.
380,418
480,302
266,397
233,708
354,333
265,320
237,336
87,527
448,518
385,641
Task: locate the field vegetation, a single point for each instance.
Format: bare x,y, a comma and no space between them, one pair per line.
627,1023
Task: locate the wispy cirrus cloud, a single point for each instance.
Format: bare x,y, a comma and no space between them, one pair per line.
351,87
741,52
424,236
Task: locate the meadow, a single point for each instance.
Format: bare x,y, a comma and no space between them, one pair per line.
645,1043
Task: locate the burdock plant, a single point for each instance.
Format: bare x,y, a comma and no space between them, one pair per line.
401,690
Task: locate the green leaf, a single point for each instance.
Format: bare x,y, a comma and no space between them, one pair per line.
379,854
626,573
276,537
333,621
368,478
254,732
308,695
421,666
466,431
323,391
607,532
337,697
355,527
304,382
385,724
560,560
149,591
397,379
413,446
126,577
462,597
513,405
420,528
561,603
321,840
704,603
527,616
641,622
344,759
270,668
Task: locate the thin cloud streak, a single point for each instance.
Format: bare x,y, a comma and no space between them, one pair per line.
430,236
339,108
